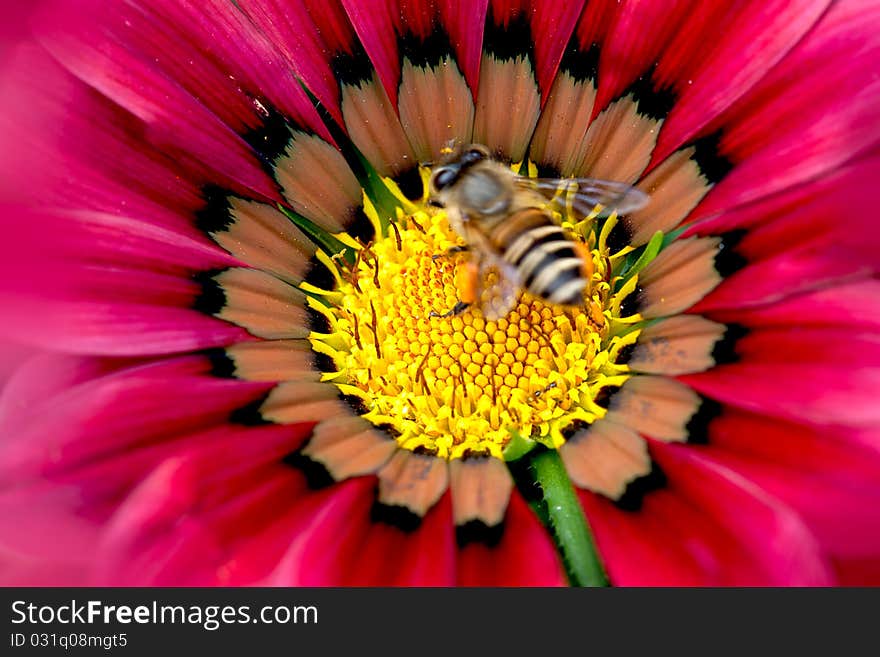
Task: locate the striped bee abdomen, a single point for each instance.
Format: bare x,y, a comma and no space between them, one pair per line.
549,264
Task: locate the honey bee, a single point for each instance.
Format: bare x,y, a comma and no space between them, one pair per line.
507,224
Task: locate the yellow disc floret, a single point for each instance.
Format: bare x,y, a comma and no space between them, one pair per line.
461,384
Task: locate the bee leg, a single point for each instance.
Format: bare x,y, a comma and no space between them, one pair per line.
457,309
451,251
467,276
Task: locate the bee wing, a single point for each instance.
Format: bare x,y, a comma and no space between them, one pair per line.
582,195
498,282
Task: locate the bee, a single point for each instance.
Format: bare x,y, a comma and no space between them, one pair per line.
507,224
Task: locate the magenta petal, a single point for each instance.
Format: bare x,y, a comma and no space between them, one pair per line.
177,123
634,42
339,545
525,556
710,83
791,244
136,406
837,382
175,531
819,108
708,527
853,305
308,34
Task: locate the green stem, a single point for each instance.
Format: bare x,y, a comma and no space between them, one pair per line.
567,519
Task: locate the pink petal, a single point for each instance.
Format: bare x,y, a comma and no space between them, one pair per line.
635,41
709,527
738,45
792,246
308,34
176,122
853,305
138,406
175,530
339,545
816,374
525,556
816,110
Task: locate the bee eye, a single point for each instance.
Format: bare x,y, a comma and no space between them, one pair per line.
444,178
473,156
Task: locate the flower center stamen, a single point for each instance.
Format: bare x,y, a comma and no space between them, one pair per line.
462,384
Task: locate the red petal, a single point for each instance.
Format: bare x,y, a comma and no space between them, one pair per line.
524,557
177,122
710,527
743,41
340,545
816,110
816,374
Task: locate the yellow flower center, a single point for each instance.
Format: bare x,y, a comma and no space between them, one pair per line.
461,384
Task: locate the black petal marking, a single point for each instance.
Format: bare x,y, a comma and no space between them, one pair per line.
619,237
724,350
271,139
637,489
353,68
630,305
250,414
317,476
396,516
215,216
581,65
319,276
477,531
652,102
221,364
211,299
509,41
426,53
410,183
713,165
697,428
728,260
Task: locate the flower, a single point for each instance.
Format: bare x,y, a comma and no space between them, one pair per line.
224,245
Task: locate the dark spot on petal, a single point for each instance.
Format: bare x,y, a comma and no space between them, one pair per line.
477,531
212,298
361,227
356,403
396,516
428,52
410,183
728,260
215,216
573,427
636,490
713,165
724,350
323,362
352,68
508,40
652,102
582,65
319,276
619,237
317,321
317,476
630,305
221,364
250,415
697,428
625,353
270,140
